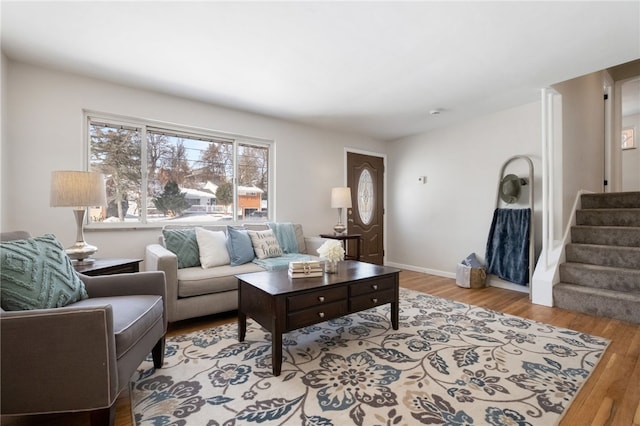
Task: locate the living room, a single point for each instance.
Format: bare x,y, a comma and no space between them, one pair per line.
447,218
429,227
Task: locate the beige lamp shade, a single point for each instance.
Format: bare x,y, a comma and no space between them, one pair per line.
341,197
77,189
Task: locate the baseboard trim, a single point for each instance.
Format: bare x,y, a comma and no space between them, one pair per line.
436,272
492,280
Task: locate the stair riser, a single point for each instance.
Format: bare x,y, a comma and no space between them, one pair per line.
629,237
619,280
618,257
611,217
608,201
620,306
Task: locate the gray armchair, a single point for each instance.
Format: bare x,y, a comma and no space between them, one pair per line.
81,356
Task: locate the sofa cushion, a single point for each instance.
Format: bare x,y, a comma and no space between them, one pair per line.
265,244
198,281
183,243
212,246
302,246
133,316
239,246
36,273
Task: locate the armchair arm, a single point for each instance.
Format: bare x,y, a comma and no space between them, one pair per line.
158,258
125,284
55,360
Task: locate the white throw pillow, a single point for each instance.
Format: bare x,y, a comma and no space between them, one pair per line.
213,248
265,244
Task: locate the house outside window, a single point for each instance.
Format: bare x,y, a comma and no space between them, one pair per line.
158,173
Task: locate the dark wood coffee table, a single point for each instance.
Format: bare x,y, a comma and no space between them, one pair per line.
281,304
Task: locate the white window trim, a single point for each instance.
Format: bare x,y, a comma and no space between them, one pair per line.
142,125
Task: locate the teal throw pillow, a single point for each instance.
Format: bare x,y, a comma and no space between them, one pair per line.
184,244
239,246
36,273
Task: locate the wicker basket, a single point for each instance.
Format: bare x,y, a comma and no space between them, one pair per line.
468,277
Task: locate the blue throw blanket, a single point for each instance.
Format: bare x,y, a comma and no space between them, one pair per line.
282,262
508,245
286,236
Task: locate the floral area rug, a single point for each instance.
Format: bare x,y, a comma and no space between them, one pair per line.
449,363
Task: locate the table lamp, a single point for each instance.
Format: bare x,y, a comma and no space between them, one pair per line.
340,198
78,190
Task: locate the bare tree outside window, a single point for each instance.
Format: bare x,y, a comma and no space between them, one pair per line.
115,152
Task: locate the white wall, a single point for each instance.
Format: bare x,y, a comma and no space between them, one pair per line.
583,144
3,131
43,132
432,227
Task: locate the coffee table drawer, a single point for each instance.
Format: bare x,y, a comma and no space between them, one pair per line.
317,314
315,298
372,286
367,301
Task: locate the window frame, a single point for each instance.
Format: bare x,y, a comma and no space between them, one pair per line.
142,125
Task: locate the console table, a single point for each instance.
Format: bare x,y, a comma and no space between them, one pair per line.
345,239
109,266
281,304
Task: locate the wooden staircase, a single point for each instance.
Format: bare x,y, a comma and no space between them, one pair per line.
601,275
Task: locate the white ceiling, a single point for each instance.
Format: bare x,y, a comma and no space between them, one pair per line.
376,68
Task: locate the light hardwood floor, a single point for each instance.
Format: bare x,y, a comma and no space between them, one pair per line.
611,396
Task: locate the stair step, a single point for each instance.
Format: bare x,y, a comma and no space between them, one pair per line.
598,302
606,235
593,254
610,200
608,217
605,277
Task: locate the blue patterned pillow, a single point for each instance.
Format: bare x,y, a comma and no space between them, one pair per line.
184,244
36,273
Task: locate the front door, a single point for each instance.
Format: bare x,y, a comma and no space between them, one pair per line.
365,177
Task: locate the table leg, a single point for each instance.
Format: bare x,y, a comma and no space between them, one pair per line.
395,315
242,326
242,317
276,352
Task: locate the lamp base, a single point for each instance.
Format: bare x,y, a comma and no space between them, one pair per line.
83,262
80,252
340,229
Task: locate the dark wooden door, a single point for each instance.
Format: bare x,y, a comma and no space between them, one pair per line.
365,177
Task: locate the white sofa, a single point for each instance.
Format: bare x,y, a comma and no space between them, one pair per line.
196,291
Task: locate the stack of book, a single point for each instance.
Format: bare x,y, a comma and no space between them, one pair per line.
305,269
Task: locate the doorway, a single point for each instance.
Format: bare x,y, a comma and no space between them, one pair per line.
628,139
365,177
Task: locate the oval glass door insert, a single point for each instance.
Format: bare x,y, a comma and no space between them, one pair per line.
365,197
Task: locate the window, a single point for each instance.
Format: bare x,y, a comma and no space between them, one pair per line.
177,174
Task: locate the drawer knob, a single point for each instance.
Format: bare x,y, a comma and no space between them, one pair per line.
375,286
321,314
321,299
374,300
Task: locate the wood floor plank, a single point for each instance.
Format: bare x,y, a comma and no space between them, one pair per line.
626,412
611,395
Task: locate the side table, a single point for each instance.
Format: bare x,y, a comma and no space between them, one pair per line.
109,266
345,238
